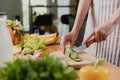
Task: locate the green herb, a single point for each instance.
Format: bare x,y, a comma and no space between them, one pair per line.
48,68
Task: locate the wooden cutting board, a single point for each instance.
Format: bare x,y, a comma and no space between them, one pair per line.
86,59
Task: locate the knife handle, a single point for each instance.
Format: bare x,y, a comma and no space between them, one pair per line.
90,41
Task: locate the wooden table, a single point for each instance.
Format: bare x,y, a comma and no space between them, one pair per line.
114,70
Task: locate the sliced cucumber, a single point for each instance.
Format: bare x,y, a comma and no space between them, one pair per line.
77,59
68,50
73,55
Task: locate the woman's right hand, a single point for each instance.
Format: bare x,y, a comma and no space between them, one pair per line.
68,38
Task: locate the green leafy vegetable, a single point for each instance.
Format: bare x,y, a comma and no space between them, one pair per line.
48,68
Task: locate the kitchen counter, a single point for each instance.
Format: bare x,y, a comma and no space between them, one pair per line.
114,70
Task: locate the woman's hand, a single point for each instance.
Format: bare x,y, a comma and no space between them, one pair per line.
68,38
99,34
71,37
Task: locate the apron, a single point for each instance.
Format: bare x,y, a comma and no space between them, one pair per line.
100,11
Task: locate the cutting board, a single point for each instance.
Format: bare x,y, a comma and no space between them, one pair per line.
86,59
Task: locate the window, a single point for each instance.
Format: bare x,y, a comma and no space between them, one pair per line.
39,10
26,13
25,10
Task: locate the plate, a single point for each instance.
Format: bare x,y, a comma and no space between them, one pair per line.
85,57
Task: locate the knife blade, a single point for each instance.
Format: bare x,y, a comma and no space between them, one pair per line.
80,48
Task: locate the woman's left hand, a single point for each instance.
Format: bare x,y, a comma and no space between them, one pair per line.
99,34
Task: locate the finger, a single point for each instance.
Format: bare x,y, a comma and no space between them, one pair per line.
101,37
97,36
85,41
90,41
63,43
104,37
72,42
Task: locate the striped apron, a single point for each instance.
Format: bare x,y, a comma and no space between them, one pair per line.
100,11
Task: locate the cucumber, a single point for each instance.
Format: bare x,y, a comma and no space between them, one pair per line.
68,50
73,55
77,59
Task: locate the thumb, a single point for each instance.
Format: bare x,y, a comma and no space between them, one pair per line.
62,44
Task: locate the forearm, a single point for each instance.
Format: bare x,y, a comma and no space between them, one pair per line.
114,19
81,13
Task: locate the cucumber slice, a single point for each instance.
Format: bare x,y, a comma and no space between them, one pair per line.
73,55
68,50
77,59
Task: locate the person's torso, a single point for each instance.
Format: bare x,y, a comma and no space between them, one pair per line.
103,9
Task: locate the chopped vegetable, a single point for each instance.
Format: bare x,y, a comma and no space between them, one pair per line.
77,59
30,45
72,54
27,51
68,50
34,43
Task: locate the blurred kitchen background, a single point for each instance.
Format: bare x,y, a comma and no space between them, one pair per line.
44,16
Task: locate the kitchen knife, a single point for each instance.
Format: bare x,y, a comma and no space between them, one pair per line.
84,46
80,48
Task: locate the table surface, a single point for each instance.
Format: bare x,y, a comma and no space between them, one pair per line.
114,70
